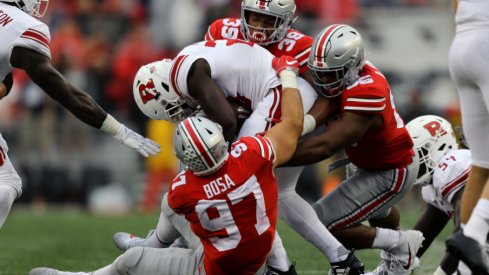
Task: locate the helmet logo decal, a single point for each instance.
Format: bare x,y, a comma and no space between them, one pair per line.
434,128
263,4
148,91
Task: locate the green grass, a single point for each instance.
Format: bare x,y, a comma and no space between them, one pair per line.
75,240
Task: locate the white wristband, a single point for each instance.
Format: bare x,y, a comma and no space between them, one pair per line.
111,125
309,124
288,79
439,271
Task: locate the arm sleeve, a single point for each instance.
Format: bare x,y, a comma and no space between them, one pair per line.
36,38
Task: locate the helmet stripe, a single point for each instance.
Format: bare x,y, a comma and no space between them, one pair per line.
198,143
320,47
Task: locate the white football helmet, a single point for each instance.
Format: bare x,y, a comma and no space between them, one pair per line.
433,137
281,10
336,59
199,143
155,96
35,8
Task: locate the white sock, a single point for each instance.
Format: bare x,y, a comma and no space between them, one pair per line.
165,233
478,225
278,257
301,217
387,238
7,197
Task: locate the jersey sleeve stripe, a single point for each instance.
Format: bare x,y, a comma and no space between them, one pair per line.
38,32
367,100
262,148
271,150
175,69
371,109
455,184
304,53
208,35
36,37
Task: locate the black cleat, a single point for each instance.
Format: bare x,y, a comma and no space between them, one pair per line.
469,251
351,266
273,271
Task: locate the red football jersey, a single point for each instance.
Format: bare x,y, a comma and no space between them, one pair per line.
295,43
234,210
389,146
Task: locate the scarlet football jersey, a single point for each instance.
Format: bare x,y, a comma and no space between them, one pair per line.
18,29
449,176
295,43
388,147
234,210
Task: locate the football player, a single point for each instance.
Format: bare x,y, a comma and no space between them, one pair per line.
373,135
267,23
467,63
25,45
443,173
229,198
201,75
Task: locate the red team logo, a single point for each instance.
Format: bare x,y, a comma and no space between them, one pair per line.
434,128
147,91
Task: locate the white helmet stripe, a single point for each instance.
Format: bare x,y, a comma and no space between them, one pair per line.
320,47
198,144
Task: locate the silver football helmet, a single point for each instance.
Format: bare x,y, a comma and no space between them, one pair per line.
433,137
199,143
155,96
35,8
281,10
336,59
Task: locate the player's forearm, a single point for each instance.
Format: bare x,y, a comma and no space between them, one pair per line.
291,106
309,151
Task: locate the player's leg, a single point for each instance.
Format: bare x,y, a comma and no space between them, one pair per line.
468,63
370,195
10,182
143,261
301,217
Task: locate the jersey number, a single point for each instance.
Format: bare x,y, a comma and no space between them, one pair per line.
231,28
289,41
222,222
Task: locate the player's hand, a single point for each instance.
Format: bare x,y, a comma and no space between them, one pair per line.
285,62
144,146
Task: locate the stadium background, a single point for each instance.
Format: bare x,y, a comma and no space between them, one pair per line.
76,178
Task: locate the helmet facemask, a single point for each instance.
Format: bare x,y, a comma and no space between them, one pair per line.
433,138
276,21
36,8
331,82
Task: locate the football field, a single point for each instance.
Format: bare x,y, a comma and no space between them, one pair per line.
78,241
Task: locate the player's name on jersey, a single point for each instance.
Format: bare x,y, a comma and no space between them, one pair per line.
5,19
218,186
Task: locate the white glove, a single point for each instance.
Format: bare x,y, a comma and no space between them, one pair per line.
144,146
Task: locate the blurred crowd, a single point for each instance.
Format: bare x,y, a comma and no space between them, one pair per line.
99,45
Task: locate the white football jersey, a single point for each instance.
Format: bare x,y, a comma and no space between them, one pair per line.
241,69
449,177
473,12
17,28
